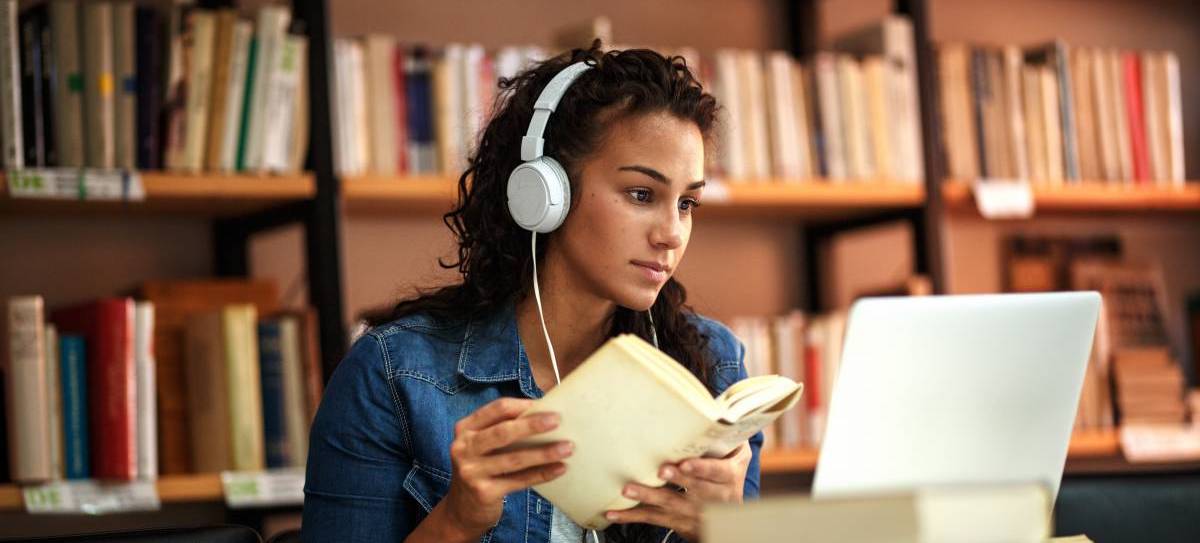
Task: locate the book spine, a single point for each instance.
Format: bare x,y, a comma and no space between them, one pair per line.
239,64
68,86
271,33
98,84
281,106
147,410
29,440
31,89
242,376
295,408
251,86
400,108
1067,112
271,370
1133,108
149,87
422,150
10,88
54,406
125,81
74,399
114,393
982,95
1174,118
49,78
201,25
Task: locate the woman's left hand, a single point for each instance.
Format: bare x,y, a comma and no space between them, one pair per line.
703,480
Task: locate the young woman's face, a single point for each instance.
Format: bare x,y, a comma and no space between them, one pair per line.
632,217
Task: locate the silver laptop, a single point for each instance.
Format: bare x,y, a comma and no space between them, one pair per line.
956,390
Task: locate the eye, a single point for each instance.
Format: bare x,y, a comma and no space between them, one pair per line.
641,195
688,204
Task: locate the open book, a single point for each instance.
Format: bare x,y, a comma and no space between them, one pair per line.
629,408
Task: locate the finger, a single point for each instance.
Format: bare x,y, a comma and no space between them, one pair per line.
508,432
531,476
661,497
644,514
512,462
493,412
695,487
714,470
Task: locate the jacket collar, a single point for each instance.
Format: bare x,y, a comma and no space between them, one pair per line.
492,351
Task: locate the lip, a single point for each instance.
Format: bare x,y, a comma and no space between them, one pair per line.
653,270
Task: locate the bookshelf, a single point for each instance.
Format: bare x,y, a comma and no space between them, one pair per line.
1091,197
202,487
210,195
802,199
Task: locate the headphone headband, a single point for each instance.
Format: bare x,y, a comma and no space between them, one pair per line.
532,144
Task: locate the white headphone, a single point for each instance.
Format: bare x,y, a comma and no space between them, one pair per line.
539,193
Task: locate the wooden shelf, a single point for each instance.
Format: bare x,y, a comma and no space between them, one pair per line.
1091,197
204,487
199,194
1090,445
800,199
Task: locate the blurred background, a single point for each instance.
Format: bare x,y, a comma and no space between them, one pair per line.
253,176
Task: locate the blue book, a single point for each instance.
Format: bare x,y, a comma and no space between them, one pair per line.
270,364
418,89
73,372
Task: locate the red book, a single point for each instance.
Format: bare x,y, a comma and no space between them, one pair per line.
401,111
1131,67
812,376
107,326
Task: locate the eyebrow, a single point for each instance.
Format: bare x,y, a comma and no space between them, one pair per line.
658,176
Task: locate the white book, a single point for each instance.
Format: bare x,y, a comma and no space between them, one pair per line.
360,135
1153,115
854,119
270,31
602,403
26,382
202,25
879,124
473,102
11,129
68,99
147,407
98,84
829,104
753,97
281,107
381,95
54,419
732,156
1053,125
340,102
1015,111
235,98
785,147
1174,118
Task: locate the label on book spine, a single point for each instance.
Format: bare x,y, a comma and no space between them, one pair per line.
272,487
91,497
72,184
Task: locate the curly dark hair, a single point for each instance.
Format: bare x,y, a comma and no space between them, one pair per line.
491,246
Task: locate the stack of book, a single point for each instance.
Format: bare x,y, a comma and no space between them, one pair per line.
114,85
1058,115
1149,386
849,114
188,379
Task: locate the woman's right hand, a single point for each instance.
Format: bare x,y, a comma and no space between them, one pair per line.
482,476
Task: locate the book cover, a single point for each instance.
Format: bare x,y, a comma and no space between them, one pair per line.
125,86
148,45
68,85
270,356
107,326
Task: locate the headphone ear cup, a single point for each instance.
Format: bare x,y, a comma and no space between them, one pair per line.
539,195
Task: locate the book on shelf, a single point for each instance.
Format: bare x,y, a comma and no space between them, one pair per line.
850,114
601,401
113,85
1056,114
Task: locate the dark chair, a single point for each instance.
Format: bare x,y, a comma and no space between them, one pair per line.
290,536
1113,509
207,534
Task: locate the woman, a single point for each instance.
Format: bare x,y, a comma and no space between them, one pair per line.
406,444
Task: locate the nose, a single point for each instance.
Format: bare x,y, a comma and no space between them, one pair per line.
668,230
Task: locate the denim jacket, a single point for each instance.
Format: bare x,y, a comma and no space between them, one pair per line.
379,455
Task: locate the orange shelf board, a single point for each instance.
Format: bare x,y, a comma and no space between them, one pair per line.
1084,445
800,198
1093,196
204,487
204,194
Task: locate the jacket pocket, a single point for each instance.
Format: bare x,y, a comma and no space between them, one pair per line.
427,485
